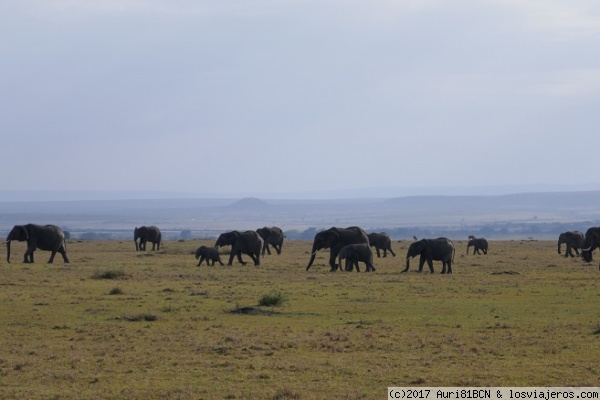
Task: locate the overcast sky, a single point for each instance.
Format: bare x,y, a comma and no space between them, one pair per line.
288,96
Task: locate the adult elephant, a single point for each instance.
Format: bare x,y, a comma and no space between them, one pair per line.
334,239
46,237
355,253
590,243
440,249
147,234
573,240
248,242
271,236
478,244
381,241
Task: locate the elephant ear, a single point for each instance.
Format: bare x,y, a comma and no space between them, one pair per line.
22,233
332,235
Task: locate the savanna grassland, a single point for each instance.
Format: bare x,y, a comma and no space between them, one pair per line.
119,324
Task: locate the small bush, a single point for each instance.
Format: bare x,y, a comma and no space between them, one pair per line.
273,299
286,394
140,317
110,274
115,290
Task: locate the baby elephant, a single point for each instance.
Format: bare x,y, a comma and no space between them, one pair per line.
353,253
208,254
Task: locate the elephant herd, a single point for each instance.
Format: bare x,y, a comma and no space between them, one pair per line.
351,244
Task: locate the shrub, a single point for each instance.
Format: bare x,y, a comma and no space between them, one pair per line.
110,274
115,290
273,299
140,317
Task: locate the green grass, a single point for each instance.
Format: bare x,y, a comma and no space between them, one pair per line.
520,316
272,299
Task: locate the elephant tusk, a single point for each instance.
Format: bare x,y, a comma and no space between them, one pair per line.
588,249
314,253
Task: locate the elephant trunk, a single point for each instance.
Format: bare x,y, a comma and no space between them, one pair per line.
8,251
407,264
312,259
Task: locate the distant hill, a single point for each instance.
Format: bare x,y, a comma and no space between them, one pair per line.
529,214
249,203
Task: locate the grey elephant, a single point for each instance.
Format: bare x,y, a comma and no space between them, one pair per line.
271,236
248,242
590,243
208,254
46,237
355,253
440,249
478,244
573,240
381,241
334,239
147,234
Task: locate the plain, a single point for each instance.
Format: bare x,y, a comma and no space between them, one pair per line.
115,323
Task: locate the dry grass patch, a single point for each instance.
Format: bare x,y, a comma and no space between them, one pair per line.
505,319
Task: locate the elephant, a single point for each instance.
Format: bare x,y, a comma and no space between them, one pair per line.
574,241
208,254
47,237
147,234
440,249
381,241
353,253
248,242
479,244
590,243
271,236
334,239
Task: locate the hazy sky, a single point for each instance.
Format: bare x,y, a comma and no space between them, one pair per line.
274,96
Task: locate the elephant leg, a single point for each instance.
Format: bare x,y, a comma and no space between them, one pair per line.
392,251
370,267
200,261
332,264
63,253
377,250
239,257
51,260
256,258
268,249
421,263
430,264
348,265
278,249
28,256
449,271
231,255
